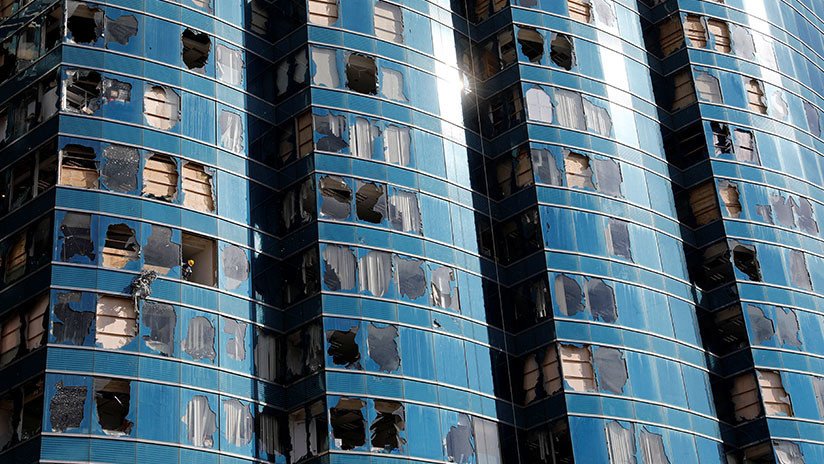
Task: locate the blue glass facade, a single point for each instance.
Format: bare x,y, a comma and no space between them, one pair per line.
482,232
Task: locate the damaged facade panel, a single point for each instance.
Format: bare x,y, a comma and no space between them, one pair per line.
348,423
161,253
331,128
652,448
601,300
370,200
704,204
115,322
196,49
610,369
112,398
67,407
119,169
201,422
799,273
200,339
267,351
761,326
238,423
160,178
459,441
343,347
198,187
404,211
776,399
444,288
119,30
229,65
326,70
120,247
73,326
230,127
362,74
562,50
621,443
382,343
745,258
161,320
388,426
618,239
730,197
339,268
411,277
235,339
336,197
235,266
84,23
375,272
161,106
576,366
569,296
78,167
578,172
532,43
76,236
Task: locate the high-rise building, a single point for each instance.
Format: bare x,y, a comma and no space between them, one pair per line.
385,231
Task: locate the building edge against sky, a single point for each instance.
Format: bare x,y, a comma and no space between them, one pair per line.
536,231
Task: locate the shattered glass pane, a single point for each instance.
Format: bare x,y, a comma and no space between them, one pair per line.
601,300
762,326
236,340
545,167
371,202
201,422
444,289
200,339
85,24
266,356
348,423
652,448
460,448
343,348
569,295
112,398
800,276
196,49
161,321
404,211
160,253
120,167
387,426
621,443
76,235
610,369
618,239
339,268
336,198
235,266
115,322
383,347
787,328
67,407
411,277
332,129
783,208
608,173
745,259
787,452
804,213
120,30
375,272
73,326
238,423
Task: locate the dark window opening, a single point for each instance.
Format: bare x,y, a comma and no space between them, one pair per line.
532,43
562,51
85,24
746,260
388,425
120,247
112,398
362,74
199,260
343,348
79,167
196,49
371,202
348,423
336,197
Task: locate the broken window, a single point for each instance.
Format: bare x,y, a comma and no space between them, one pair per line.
761,326
708,88
813,118
82,91
396,143
161,106
610,369
532,43
15,258
576,365
618,241
730,198
375,272
568,295
239,425
444,289
198,191
459,444
161,254
562,50
578,172
199,263
597,118
787,452
326,67
36,322
404,211
392,86
323,12
601,300
382,344
684,94
235,339
78,167
671,34
112,398
119,170
308,429
196,49
609,176
389,424
570,109
388,22
755,96
546,167
744,395
119,30
231,131
371,202
235,265
336,197
160,178
266,356
782,207
10,336
77,237
161,320
363,138
67,407
538,105
721,33
332,129
804,214
115,322
339,268
621,443
776,400
229,65
343,347
348,423
362,74
201,422
580,10
120,246
745,259
411,277
745,148
799,275
72,326
200,339
84,24
652,448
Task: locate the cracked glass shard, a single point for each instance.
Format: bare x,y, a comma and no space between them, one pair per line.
67,407
383,347
404,211
236,340
266,355
200,339
235,266
239,425
85,24
762,326
460,447
386,429
77,237
119,30
800,275
348,423
804,214
411,277
609,176
610,369
621,443
601,300
161,254
444,289
652,448
343,348
201,422
112,398
375,272
332,129
371,202
569,295
336,197
73,326
161,320
339,268
120,167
